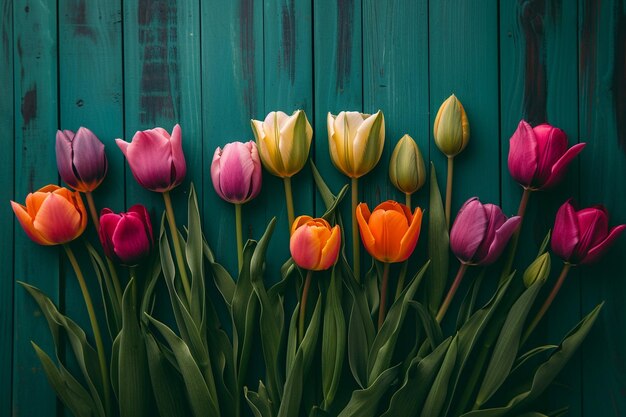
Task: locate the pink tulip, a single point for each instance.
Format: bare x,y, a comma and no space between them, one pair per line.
126,237
538,157
81,160
581,237
236,172
156,159
480,232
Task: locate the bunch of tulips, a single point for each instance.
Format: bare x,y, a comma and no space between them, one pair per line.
375,353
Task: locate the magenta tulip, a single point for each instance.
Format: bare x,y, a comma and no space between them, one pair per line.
81,160
126,237
538,157
236,172
156,158
480,232
581,237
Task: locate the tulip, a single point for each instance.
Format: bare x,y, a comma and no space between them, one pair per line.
538,270
314,244
407,171
52,215
156,159
126,237
582,237
81,160
236,172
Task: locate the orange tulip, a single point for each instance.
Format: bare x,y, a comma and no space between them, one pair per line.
314,244
52,215
389,233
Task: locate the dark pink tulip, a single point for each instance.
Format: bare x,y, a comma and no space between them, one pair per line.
156,158
126,237
538,157
236,172
581,237
81,160
480,232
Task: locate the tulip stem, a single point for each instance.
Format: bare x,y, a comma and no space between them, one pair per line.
94,325
407,198
177,249
115,279
455,286
521,211
356,255
93,211
401,278
547,303
239,235
383,296
305,296
449,189
289,197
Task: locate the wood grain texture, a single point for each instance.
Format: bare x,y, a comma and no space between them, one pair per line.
35,43
602,173
7,126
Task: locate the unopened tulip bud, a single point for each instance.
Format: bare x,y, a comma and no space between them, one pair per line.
451,128
81,160
538,270
406,168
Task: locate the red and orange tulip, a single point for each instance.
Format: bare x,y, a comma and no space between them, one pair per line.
52,215
314,244
390,232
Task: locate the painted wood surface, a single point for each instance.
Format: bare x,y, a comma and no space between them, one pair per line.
120,66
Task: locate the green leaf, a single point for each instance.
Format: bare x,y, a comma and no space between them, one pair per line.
364,402
333,340
469,301
361,330
259,402
114,366
194,256
531,354
439,390
223,280
438,247
112,308
544,244
431,327
327,195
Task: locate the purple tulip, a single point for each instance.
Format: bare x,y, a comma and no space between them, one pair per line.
126,237
538,157
156,159
480,232
582,237
81,160
236,172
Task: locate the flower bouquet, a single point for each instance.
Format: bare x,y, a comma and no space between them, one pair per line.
319,337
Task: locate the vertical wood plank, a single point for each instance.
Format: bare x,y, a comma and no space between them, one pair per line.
288,70
7,124
162,87
35,38
231,95
539,84
603,170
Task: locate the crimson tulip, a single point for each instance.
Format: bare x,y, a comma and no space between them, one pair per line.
539,157
156,159
581,237
126,237
236,172
81,160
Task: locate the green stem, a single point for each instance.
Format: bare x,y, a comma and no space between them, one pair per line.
94,326
356,242
547,303
449,189
239,235
407,198
521,211
455,286
93,211
115,279
383,296
177,248
289,198
401,278
303,300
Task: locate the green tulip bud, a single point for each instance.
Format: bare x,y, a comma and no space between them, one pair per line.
538,270
406,168
451,127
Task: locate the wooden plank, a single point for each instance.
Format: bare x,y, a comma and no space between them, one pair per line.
35,37
231,95
7,125
161,87
539,85
288,70
603,170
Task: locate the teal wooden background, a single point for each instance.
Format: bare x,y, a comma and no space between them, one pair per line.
117,66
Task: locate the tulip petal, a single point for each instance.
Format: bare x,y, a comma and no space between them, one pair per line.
142,214
123,145
65,165
130,242
178,156
597,251
593,227
305,248
369,143
565,233
468,230
501,238
551,145
236,169
330,251
89,159
409,241
495,220
363,216
300,221
58,220
560,167
388,228
26,222
522,159
150,160
257,175
108,223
